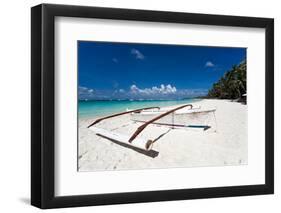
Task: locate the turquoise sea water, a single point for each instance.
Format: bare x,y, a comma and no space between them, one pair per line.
88,109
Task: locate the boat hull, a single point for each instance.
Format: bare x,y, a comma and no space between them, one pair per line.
191,118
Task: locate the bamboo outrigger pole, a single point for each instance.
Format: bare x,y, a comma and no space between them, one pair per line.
142,127
121,113
140,143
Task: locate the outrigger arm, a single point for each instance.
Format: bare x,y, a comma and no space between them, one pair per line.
140,143
121,113
142,127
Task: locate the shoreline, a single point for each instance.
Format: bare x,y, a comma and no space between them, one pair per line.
135,104
176,148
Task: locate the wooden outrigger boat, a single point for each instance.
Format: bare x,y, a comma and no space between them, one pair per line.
184,116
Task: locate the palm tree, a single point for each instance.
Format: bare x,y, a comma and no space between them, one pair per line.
232,85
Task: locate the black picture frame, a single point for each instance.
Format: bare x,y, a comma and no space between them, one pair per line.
43,111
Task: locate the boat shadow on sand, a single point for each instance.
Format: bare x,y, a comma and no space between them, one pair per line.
150,153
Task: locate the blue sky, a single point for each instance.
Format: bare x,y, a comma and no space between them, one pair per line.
108,70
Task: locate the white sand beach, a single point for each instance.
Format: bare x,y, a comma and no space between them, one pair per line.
225,145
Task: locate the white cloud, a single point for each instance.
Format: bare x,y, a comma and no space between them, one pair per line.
85,90
161,92
134,89
115,60
168,89
85,93
137,54
209,64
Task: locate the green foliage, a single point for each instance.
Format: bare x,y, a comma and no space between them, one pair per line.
232,85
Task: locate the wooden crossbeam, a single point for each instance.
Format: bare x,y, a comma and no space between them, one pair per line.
121,113
142,127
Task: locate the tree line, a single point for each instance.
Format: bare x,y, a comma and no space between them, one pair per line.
232,85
